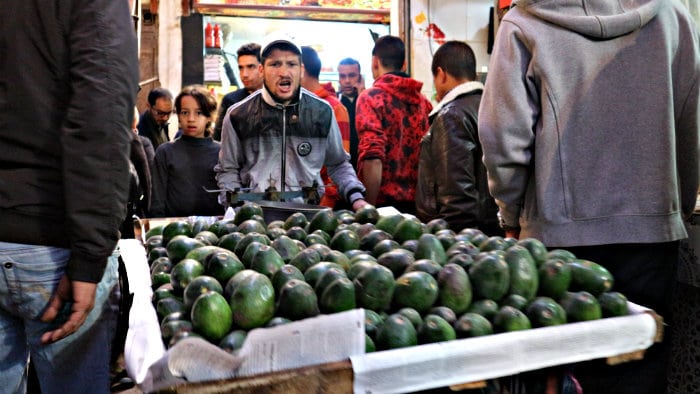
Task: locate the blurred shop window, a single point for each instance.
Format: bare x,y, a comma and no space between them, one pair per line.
333,40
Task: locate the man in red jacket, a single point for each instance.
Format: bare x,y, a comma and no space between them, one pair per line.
391,119
310,81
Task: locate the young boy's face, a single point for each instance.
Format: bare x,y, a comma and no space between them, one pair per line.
192,121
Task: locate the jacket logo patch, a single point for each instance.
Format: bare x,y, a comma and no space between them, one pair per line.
304,149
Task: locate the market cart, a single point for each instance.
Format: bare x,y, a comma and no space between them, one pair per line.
462,363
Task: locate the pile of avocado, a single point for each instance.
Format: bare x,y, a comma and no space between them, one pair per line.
418,282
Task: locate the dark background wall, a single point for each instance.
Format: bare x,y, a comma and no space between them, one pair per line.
192,49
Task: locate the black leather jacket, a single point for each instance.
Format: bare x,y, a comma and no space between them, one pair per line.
452,181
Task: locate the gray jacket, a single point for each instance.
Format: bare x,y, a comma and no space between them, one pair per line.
262,140
589,120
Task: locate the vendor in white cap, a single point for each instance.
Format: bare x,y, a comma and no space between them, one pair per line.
282,134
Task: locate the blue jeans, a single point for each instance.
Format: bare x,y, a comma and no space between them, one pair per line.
79,363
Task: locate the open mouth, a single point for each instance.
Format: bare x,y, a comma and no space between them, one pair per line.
284,86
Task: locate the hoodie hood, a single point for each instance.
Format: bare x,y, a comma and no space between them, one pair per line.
601,19
405,89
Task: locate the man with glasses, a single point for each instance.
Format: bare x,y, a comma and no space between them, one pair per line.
153,123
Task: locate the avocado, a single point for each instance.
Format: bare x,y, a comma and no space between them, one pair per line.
247,211
211,316
222,266
198,286
490,276
183,273
435,329
337,296
581,306
589,276
554,277
286,247
524,278
396,332
471,325
286,273
180,245
233,341
374,288
424,265
229,241
367,214
174,228
396,260
407,229
305,259
613,304
417,290
252,301
536,248
509,319
545,311
430,247
297,300
455,288
325,220
266,260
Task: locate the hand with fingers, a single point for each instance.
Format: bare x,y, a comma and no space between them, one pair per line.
82,296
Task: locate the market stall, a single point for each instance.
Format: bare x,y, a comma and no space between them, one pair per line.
327,352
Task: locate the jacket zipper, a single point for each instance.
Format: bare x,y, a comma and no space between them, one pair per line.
284,148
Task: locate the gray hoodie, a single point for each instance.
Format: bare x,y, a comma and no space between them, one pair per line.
589,120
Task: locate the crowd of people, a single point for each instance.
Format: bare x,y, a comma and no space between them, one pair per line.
360,145
576,140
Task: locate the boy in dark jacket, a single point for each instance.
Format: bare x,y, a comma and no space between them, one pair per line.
452,182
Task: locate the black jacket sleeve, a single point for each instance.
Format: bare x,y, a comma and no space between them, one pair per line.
454,143
96,131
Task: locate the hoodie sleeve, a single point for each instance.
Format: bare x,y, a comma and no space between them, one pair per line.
507,115
687,128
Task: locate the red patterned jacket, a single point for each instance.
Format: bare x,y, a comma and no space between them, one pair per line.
391,118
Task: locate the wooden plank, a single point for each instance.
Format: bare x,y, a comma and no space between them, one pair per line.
639,354
332,378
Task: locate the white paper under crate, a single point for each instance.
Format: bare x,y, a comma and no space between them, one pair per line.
475,359
318,340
